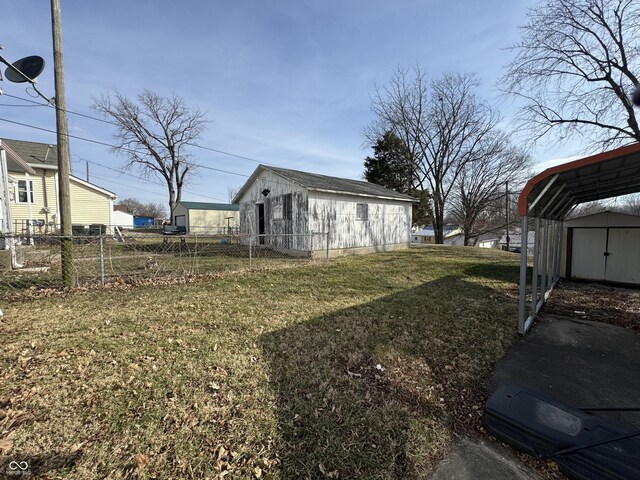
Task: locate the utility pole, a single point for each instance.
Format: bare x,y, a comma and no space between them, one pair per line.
64,199
506,196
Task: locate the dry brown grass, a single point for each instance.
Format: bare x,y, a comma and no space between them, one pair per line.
361,368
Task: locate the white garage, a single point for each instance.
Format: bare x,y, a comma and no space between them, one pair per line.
604,246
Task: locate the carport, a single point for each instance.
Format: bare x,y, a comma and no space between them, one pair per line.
548,198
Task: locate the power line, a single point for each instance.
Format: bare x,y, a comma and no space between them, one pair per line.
137,177
40,104
222,152
229,154
97,142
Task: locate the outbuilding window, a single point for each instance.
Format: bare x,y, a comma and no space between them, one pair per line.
25,195
362,211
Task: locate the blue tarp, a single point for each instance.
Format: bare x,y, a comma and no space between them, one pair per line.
141,222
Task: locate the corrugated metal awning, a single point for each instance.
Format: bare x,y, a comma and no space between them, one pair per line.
554,192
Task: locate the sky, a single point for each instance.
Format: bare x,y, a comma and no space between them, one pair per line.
282,82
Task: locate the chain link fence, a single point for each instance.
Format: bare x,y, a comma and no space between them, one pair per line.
34,261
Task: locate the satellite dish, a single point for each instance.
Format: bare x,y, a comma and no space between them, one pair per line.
30,66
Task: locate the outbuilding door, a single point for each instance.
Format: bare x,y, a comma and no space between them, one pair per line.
611,254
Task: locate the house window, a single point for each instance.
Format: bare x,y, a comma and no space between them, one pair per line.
277,212
23,194
362,211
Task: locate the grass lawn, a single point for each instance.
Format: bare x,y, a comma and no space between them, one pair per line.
363,367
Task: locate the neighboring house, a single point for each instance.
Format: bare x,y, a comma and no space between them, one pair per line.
10,161
202,217
515,241
33,199
603,246
488,240
121,217
451,234
306,213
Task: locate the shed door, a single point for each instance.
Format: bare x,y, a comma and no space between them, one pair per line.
587,257
181,220
623,261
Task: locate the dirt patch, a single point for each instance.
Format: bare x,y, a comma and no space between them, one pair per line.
597,302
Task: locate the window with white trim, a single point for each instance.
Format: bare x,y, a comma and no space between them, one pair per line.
362,211
22,193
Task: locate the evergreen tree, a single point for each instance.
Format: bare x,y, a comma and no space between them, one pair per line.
392,168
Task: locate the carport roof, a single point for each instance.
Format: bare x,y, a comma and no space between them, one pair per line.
554,192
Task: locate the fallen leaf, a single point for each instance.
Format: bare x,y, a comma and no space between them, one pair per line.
258,472
6,443
142,460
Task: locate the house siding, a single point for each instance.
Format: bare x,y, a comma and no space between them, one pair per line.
44,189
388,223
284,231
88,206
211,221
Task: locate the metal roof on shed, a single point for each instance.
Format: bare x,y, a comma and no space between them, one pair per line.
210,206
325,183
553,193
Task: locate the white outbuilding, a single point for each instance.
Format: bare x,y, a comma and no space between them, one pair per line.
603,246
310,214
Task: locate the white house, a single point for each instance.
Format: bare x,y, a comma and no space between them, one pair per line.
121,217
452,235
488,240
515,241
300,212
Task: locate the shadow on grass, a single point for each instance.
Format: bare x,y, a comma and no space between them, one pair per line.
376,390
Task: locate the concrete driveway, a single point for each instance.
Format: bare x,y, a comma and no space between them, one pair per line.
580,362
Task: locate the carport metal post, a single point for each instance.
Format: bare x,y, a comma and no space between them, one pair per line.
536,261
559,250
522,312
554,254
551,255
545,251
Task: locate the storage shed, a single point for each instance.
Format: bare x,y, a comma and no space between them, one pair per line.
206,218
310,214
603,246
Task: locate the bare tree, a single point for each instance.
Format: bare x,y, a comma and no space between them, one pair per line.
441,122
576,68
154,133
478,202
589,208
136,207
631,204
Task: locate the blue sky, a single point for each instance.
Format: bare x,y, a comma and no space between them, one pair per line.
284,82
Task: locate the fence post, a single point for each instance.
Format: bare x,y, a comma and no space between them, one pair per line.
250,246
311,244
101,256
327,258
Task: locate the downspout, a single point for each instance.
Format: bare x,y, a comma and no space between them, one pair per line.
111,221
29,208
45,201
